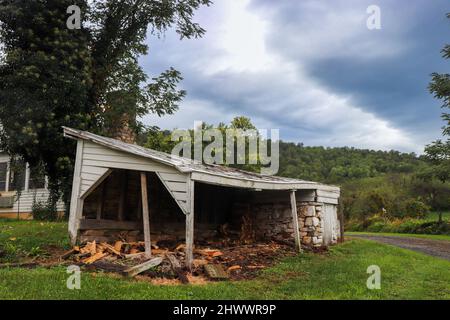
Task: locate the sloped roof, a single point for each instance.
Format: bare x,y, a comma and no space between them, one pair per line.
203,172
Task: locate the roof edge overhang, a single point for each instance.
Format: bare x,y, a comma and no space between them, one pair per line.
223,180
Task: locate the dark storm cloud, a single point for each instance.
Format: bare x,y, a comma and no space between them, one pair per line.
313,69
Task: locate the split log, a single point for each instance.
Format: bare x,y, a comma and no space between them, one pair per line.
94,258
110,249
67,254
134,255
131,272
118,245
232,268
176,267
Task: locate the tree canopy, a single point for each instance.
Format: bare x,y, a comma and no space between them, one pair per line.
88,78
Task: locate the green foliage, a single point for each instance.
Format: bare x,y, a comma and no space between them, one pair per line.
416,208
438,152
44,82
404,225
51,76
162,141
338,165
44,211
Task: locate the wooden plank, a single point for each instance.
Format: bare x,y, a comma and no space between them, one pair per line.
146,215
130,166
93,170
295,222
190,227
131,272
91,176
327,194
180,197
248,183
327,200
176,186
175,177
76,204
88,187
94,224
341,225
128,159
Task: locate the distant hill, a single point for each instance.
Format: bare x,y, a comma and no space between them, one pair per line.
334,165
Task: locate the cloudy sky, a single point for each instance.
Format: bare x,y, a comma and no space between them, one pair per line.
312,69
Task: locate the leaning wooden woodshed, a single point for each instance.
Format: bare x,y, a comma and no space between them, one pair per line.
127,191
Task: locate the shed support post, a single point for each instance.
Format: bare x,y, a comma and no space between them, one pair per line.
76,203
190,226
146,215
298,246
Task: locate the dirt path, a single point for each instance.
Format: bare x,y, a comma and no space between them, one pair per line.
435,248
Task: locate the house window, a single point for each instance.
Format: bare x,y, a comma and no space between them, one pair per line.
37,178
3,175
17,177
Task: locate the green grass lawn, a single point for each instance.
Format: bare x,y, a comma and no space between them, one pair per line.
408,235
24,239
338,274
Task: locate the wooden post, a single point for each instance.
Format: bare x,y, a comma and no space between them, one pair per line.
146,215
76,203
298,245
341,222
190,226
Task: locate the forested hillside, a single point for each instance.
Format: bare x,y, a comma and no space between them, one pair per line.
337,165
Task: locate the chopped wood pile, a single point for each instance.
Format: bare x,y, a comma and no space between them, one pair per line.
128,259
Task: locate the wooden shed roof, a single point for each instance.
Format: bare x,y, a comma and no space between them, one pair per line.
213,174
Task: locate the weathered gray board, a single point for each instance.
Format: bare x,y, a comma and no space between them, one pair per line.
331,227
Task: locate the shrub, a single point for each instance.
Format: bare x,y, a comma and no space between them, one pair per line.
44,212
415,208
405,225
376,227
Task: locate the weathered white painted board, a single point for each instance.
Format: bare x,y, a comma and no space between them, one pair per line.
328,200
95,155
177,187
327,194
331,227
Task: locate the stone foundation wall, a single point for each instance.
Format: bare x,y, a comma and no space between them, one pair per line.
275,221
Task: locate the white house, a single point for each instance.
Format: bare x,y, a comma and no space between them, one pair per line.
33,187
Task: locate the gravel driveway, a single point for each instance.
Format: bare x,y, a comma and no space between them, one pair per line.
435,248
